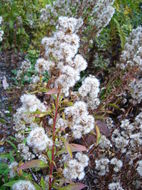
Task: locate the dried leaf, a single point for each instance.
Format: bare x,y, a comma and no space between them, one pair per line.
53,91
77,147
32,164
90,139
103,128
77,186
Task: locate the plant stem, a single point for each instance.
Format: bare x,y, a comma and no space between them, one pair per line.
53,139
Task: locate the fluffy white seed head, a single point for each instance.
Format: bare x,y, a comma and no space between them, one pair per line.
80,121
136,90
32,103
38,140
115,186
102,166
89,91
139,167
23,185
132,53
75,167
117,164
42,65
69,24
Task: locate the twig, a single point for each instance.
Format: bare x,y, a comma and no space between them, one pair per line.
53,138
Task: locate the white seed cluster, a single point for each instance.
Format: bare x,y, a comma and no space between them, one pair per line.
61,124
21,119
100,12
24,118
115,186
89,91
79,119
117,164
132,56
25,66
1,31
109,123
132,53
42,65
23,185
96,14
120,145
102,166
25,152
31,103
61,55
104,142
38,140
129,136
139,167
136,90
75,167
119,140
103,12
64,65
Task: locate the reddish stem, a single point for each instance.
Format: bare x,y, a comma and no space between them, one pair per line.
53,139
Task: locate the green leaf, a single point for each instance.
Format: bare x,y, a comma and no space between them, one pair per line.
2,121
8,156
68,148
42,183
10,184
36,186
98,135
4,155
114,105
11,24
49,154
4,169
12,144
120,32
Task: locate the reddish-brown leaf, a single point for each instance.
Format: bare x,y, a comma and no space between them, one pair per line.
53,91
77,147
103,128
77,186
32,164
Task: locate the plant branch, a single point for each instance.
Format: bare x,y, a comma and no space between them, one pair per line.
53,138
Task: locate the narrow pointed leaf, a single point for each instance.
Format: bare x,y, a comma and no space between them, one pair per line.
68,148
10,184
33,164
77,147
42,183
77,186
98,135
53,91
